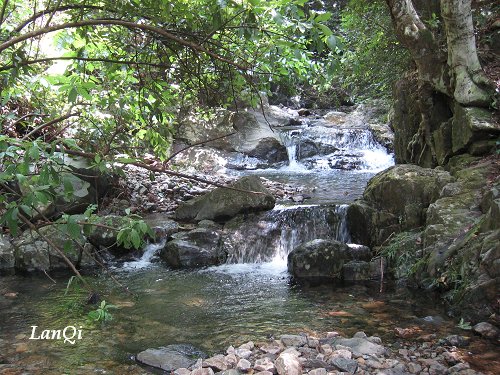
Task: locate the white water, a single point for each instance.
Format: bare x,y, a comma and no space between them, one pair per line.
146,259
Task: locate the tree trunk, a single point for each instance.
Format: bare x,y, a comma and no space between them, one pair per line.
419,40
467,77
459,74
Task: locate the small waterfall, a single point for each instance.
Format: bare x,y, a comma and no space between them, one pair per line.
274,234
146,259
291,140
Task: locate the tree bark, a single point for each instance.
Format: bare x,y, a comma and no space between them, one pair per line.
467,77
455,72
419,40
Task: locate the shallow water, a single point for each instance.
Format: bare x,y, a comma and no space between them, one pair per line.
210,308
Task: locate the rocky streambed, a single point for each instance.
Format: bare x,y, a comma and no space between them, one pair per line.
327,355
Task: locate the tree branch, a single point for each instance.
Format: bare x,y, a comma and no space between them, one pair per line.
126,24
47,59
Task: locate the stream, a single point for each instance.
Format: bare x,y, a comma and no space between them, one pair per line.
251,298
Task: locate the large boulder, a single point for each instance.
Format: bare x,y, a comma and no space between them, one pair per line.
170,358
246,195
270,150
395,200
318,260
471,125
33,251
197,248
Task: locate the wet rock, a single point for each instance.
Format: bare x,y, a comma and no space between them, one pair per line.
487,330
197,248
269,150
222,204
318,259
171,357
288,364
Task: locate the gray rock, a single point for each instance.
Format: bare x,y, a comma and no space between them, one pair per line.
288,364
162,226
243,365
318,371
34,253
359,346
270,150
203,371
487,330
293,340
216,363
345,364
222,204
197,248
171,357
7,256
318,259
264,364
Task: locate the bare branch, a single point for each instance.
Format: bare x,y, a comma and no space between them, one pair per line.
50,123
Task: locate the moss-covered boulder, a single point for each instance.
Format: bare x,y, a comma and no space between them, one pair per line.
395,200
34,250
246,195
471,125
318,260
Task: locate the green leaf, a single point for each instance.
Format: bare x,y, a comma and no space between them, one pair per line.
72,95
135,239
331,42
325,30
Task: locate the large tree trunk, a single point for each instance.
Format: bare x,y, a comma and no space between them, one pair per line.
459,74
468,80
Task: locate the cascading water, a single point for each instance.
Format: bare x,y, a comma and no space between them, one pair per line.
271,236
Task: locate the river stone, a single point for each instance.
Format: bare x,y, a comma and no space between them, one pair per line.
161,225
216,363
345,364
106,238
359,346
264,364
318,371
171,357
318,259
293,340
288,364
487,330
222,203
197,248
203,371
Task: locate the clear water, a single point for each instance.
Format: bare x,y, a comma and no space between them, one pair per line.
210,308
